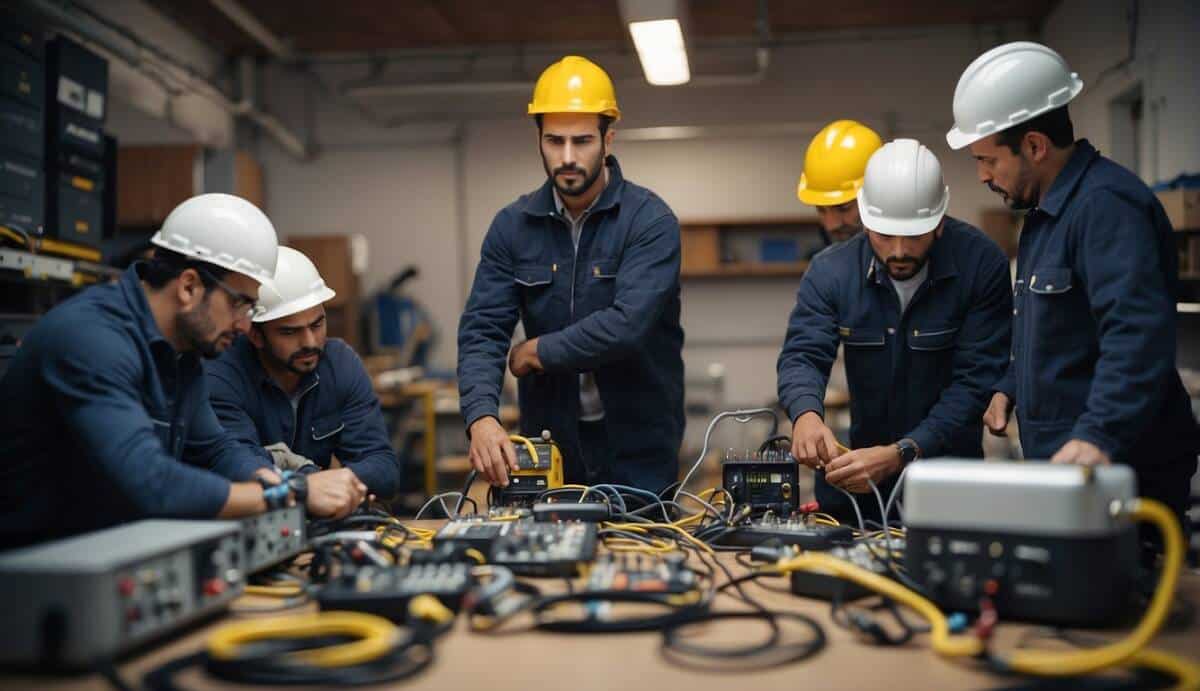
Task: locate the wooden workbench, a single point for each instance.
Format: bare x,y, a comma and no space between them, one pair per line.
532,661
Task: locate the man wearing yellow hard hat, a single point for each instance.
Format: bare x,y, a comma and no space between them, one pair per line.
834,166
589,262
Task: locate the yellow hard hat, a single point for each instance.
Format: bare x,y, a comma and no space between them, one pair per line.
574,85
836,162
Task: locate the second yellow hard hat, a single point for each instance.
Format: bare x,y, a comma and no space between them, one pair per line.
835,163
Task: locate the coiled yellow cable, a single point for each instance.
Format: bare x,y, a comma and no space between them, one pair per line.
375,636
1128,650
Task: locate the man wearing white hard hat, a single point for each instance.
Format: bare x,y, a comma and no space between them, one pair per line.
1092,372
921,304
304,396
109,419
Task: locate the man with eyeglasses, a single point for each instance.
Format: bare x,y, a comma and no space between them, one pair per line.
107,418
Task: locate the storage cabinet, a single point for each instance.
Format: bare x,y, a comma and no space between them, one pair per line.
748,248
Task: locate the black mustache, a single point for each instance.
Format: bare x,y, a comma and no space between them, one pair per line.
569,169
995,189
306,352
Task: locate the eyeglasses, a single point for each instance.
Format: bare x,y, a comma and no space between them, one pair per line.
243,304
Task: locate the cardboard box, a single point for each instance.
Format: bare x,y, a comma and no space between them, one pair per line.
1004,227
1182,207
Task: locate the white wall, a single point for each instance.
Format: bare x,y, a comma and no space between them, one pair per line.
1093,35
400,198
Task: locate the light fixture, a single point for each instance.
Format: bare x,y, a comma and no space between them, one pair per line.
657,27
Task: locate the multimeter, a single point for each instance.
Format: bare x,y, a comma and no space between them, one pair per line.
539,468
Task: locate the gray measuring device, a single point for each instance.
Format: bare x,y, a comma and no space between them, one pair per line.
84,599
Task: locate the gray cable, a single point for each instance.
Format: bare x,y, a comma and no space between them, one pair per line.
896,491
742,416
441,498
862,525
706,505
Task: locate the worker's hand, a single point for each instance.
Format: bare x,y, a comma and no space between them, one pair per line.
1080,452
851,470
995,418
334,493
269,475
523,360
492,453
813,443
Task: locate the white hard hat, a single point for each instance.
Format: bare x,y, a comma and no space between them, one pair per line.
297,286
1006,86
903,192
224,230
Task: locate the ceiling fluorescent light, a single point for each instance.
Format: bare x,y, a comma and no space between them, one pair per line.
660,48
657,28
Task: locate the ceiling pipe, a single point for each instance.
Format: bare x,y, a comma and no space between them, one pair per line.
250,24
371,89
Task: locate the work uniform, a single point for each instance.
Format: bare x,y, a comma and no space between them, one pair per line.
1093,354
924,372
334,412
608,306
108,423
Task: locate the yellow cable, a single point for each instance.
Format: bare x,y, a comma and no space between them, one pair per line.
1128,650
641,527
706,495
285,590
375,636
533,454
691,597
1050,663
1186,673
620,544
475,554
429,608
15,236
943,642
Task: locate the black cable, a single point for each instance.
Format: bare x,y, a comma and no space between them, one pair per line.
774,439
162,678
466,488
677,614
769,653
755,657
864,624
671,637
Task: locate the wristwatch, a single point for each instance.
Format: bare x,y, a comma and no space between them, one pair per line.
909,451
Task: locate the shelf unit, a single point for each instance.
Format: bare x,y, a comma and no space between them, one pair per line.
731,249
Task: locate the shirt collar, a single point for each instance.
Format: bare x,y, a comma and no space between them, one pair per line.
1068,178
